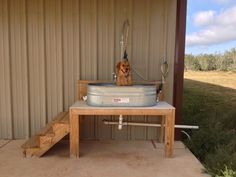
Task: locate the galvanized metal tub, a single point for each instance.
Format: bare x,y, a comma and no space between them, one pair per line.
108,94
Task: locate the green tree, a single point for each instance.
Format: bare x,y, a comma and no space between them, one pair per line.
209,62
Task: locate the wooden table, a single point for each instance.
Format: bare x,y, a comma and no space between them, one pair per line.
162,109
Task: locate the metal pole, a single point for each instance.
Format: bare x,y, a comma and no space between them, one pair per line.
147,124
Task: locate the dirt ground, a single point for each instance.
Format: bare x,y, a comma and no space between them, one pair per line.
224,79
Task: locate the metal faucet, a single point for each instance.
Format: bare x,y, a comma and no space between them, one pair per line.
114,77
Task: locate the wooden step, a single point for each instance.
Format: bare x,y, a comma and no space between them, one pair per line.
33,142
65,119
46,139
59,134
29,152
63,123
48,127
48,136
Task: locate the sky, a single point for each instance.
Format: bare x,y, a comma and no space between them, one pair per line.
211,26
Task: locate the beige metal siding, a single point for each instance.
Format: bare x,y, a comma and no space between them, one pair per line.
19,68
47,45
5,74
53,56
140,55
36,63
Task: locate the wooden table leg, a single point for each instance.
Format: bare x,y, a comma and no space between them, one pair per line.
169,134
74,135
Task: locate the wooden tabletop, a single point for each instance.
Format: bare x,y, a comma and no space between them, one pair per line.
159,105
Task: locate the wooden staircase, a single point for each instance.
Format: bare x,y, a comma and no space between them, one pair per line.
48,136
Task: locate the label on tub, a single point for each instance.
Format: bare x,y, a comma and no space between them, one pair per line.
121,100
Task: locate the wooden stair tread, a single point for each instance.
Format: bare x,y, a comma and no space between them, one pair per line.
48,127
48,136
65,119
33,142
60,116
43,149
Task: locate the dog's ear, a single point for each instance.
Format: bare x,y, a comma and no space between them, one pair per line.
118,66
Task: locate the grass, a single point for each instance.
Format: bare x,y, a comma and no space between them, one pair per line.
210,102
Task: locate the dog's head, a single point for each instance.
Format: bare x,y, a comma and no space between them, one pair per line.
123,68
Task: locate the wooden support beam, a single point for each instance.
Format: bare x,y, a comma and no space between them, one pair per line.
74,135
179,61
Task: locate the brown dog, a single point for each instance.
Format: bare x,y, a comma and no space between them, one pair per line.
123,73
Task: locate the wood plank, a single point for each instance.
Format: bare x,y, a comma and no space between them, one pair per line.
47,130
65,119
61,126
74,135
48,127
46,140
134,112
59,134
29,152
33,142
60,116
169,134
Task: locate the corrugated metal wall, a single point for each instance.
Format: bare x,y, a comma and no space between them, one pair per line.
47,45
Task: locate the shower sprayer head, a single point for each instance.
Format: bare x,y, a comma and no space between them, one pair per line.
124,40
125,57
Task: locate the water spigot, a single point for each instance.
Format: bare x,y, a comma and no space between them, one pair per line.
114,77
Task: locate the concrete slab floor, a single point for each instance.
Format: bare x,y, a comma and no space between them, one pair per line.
100,159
